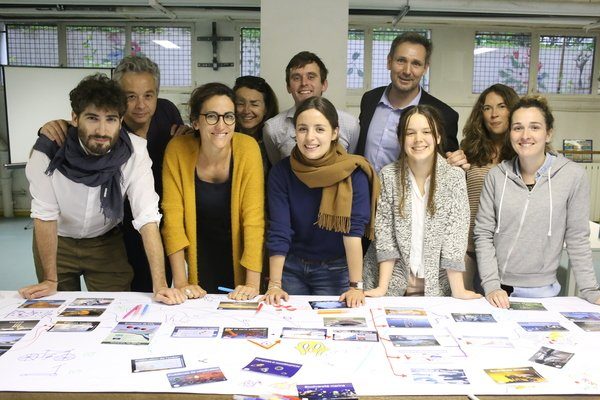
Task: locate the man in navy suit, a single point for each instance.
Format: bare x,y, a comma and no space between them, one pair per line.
381,108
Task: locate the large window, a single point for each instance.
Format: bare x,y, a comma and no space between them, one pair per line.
565,64
32,45
356,59
95,46
501,58
170,48
250,52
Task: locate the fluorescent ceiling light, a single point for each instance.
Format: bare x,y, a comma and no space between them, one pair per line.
483,50
167,44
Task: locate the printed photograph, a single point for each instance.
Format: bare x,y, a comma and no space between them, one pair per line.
345,321
588,326
413,340
304,333
355,335
91,302
157,363
405,311
245,333
515,375
551,357
238,305
7,326
327,305
195,332
74,326
195,377
408,323
459,317
7,340
42,304
526,306
542,326
134,333
440,376
82,312
273,367
327,391
582,316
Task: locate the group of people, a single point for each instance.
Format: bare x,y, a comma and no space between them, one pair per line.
374,206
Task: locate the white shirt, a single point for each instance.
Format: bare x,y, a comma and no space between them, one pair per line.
76,207
279,134
418,210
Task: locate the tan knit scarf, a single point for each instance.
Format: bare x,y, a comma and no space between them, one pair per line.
332,172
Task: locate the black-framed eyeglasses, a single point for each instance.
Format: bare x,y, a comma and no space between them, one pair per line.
212,118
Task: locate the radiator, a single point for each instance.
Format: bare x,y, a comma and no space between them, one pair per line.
593,171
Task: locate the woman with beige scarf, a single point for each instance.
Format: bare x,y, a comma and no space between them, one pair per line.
321,202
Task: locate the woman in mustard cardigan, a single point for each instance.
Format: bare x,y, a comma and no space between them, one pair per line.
213,201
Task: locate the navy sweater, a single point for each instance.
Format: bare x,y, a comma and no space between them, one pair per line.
293,212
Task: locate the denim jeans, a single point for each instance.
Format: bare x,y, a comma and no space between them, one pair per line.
311,277
537,292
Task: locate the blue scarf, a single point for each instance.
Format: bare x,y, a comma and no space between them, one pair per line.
91,170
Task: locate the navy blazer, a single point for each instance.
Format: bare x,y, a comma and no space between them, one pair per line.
369,102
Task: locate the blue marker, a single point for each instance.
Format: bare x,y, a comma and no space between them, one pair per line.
145,309
224,289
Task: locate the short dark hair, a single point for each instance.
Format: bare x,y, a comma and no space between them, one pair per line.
322,105
205,92
98,90
414,38
260,85
300,60
137,64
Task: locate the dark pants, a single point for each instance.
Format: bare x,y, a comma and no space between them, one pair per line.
101,260
322,278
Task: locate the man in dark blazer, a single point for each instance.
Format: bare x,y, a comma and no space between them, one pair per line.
380,108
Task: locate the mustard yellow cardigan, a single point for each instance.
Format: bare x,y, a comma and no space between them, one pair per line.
247,204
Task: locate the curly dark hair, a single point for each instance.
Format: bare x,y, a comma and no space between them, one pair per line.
98,90
202,93
478,143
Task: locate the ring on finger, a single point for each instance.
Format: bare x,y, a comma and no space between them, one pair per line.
188,293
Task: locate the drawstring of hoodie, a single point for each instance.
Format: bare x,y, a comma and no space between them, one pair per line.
550,196
501,200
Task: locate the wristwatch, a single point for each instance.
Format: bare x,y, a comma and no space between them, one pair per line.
357,285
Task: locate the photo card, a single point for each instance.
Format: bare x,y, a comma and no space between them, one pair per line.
195,332
327,305
473,317
327,391
157,363
42,304
355,335
91,302
526,306
238,305
413,340
538,326
82,312
408,323
134,333
345,321
515,375
408,311
304,333
588,326
195,377
582,316
455,376
25,325
272,367
245,333
551,357
74,326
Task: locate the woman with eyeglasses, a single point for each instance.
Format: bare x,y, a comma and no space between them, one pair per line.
213,201
255,102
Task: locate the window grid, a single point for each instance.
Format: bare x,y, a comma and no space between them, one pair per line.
32,45
250,51
501,58
565,64
95,46
355,73
175,63
382,40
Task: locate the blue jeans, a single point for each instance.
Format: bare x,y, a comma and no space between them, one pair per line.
311,277
537,292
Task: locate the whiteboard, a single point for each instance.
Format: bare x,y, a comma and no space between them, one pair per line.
34,96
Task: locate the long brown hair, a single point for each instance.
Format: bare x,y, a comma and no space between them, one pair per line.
478,143
437,131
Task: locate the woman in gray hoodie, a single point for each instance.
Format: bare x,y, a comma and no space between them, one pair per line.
530,205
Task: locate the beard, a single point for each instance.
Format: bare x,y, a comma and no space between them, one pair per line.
98,148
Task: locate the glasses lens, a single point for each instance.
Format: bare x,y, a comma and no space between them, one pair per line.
229,118
211,118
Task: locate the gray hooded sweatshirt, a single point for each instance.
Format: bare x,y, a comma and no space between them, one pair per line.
519,234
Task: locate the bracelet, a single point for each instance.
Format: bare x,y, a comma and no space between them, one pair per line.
51,280
274,286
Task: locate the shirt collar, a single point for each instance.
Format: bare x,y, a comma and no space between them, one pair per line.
385,100
541,170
